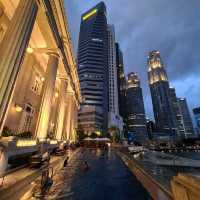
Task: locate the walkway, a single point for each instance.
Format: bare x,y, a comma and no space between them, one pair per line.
107,179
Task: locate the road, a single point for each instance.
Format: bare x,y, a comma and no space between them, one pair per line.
107,179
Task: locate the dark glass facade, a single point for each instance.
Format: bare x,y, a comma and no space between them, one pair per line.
196,112
93,70
136,118
165,117
187,120
121,80
177,110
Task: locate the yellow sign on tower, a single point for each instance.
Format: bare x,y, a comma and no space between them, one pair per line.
91,13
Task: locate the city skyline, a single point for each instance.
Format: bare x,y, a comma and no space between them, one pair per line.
172,52
73,123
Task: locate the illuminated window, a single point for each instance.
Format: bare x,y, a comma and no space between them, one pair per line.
37,85
26,118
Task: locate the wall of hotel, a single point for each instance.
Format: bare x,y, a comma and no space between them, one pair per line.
27,96
4,21
24,110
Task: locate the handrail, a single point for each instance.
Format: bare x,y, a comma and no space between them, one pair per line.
167,192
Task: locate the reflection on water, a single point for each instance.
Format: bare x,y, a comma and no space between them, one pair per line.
107,178
163,174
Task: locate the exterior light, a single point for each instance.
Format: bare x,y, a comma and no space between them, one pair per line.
29,50
56,95
26,143
88,15
53,142
52,125
42,79
18,108
98,133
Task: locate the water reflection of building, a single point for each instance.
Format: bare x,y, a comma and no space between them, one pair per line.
135,113
39,83
164,114
150,128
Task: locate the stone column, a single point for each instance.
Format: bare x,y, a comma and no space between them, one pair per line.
72,120
1,10
12,51
61,110
69,110
47,96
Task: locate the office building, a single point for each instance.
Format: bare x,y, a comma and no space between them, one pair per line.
136,118
165,117
187,120
93,70
196,112
113,116
121,79
177,110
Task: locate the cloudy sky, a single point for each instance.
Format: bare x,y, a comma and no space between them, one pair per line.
170,26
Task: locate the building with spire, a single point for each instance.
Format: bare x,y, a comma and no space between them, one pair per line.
165,117
136,118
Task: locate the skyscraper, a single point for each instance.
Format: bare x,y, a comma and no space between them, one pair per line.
196,112
177,110
121,82
164,114
187,120
113,89
135,113
113,117
93,70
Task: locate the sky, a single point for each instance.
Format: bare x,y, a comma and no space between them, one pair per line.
170,26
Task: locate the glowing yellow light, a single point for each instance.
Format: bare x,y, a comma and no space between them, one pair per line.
88,15
53,142
52,124
26,143
42,79
98,133
18,108
56,95
29,50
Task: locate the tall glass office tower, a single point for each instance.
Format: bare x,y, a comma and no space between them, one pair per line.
121,81
164,113
135,108
187,120
93,70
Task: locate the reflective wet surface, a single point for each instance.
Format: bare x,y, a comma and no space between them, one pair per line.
164,174
106,178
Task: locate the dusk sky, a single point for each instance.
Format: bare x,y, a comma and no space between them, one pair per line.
172,27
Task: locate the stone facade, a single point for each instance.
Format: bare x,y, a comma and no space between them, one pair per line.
39,85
